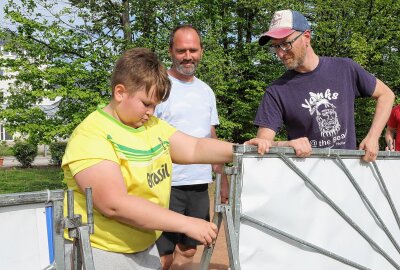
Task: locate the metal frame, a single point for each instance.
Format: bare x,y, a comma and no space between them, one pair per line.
231,212
223,212
79,232
52,198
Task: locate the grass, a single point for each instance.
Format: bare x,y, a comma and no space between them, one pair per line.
15,180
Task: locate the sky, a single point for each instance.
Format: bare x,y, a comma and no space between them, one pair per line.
7,24
3,23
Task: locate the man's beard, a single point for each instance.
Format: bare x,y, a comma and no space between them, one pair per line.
185,70
297,61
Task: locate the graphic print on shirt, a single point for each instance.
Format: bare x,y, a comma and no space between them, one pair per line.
320,106
146,158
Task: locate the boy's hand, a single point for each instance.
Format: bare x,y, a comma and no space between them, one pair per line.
203,231
263,145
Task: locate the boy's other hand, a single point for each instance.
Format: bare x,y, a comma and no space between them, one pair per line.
203,231
263,145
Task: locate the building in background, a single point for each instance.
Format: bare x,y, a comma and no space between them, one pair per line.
48,106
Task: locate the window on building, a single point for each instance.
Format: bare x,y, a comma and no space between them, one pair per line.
4,135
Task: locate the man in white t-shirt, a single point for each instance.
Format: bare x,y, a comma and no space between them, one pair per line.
191,108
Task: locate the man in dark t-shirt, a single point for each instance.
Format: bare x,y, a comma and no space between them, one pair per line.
315,97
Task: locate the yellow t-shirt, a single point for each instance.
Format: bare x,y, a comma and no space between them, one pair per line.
144,157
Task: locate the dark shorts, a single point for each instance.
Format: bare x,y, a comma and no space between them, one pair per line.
193,201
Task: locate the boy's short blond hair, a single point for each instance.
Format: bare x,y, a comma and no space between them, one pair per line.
140,67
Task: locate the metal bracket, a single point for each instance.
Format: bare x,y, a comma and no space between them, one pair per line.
231,170
80,233
233,248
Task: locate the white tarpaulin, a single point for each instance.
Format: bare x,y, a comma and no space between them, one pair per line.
24,237
274,194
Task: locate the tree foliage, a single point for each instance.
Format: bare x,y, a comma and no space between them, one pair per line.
68,50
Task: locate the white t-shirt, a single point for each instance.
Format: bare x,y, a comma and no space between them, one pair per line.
191,108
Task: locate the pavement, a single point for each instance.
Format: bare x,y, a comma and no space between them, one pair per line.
11,161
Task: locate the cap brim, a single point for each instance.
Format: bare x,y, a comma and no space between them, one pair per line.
275,33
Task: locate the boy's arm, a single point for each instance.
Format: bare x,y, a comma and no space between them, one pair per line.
186,149
110,197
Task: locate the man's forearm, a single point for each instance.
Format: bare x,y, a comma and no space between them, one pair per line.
383,109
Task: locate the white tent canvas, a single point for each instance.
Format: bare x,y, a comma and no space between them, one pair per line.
274,194
23,234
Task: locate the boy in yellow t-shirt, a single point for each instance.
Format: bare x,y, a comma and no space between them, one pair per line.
125,154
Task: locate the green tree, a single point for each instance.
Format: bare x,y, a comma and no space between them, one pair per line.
71,53
55,59
366,31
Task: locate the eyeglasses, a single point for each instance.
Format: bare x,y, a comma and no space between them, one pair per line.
284,46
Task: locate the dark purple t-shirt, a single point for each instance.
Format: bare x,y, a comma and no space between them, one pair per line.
318,105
